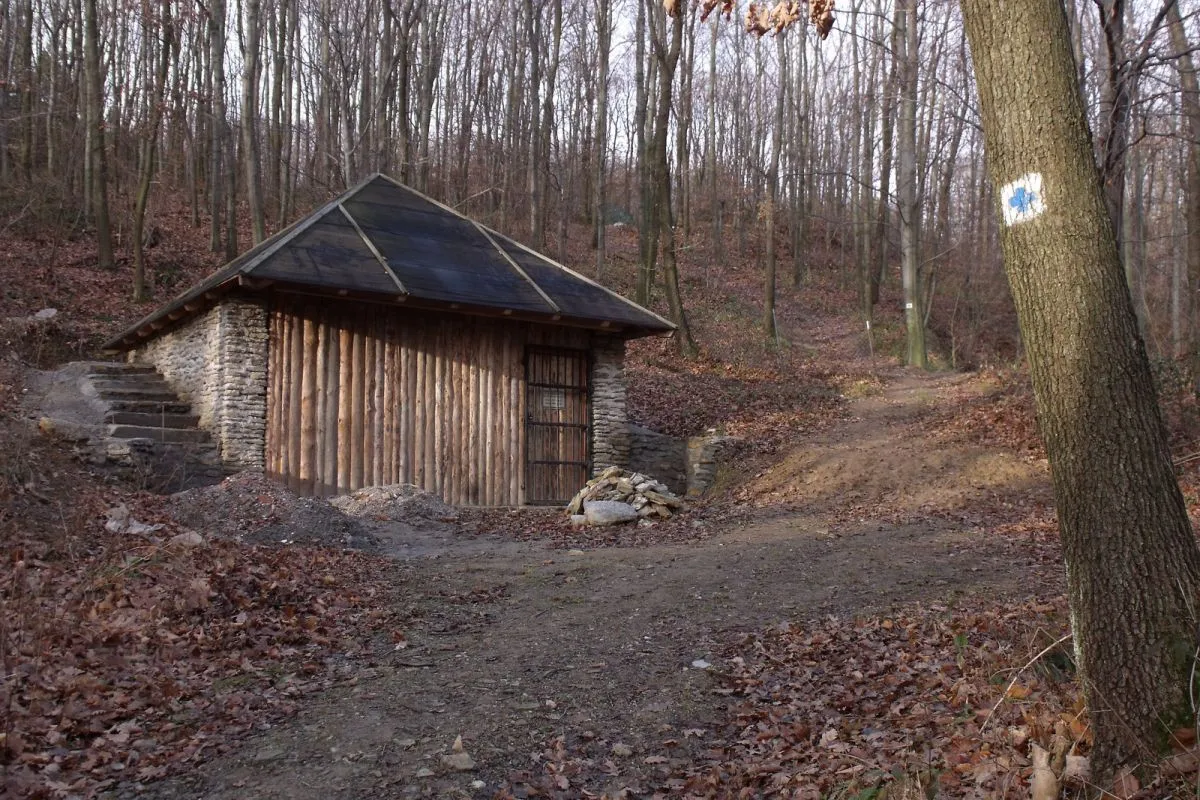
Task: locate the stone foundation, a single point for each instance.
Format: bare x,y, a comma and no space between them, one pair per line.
217,362
610,423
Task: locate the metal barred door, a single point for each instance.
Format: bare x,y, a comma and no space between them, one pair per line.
557,424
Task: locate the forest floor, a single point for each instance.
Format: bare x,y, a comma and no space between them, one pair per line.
566,671
868,602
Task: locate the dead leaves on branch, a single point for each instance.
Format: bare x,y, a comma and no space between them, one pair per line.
767,18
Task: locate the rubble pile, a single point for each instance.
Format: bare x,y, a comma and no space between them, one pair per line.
400,502
646,496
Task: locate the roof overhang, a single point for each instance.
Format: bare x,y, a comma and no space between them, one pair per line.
179,312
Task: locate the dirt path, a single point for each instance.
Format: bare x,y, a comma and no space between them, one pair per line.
514,644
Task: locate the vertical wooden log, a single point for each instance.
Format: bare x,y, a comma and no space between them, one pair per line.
378,409
308,404
356,407
321,373
458,417
370,422
387,398
439,410
420,410
486,364
295,382
329,434
508,403
285,393
407,392
475,415
345,380
519,394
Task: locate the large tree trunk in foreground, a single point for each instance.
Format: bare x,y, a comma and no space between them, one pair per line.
1132,562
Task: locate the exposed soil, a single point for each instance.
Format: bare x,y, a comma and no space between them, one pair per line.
515,643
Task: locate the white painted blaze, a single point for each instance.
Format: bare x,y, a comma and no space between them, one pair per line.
1022,199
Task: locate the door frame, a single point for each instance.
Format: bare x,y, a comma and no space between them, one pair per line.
584,359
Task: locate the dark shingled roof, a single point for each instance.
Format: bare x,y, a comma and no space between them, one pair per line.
383,240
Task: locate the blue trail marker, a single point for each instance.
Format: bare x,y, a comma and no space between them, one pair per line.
1022,199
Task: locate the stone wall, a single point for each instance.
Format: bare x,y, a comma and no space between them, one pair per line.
610,423
659,456
705,455
218,363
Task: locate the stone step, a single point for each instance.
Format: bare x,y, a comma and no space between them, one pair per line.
168,435
161,395
156,407
152,419
107,382
117,368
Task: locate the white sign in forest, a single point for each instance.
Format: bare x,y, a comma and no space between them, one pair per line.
1022,199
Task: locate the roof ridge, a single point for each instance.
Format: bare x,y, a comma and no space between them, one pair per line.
301,225
553,305
371,246
531,251
586,279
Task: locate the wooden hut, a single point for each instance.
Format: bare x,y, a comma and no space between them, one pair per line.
386,338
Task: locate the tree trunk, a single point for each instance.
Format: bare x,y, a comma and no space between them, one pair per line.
906,174
1133,569
98,150
1189,97
216,171
647,238
250,73
887,124
603,45
154,100
773,197
667,56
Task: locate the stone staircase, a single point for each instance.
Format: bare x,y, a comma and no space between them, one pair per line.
147,426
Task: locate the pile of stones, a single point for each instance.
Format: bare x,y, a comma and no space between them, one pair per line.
616,495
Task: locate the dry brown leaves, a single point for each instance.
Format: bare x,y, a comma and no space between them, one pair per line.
131,659
841,706
945,699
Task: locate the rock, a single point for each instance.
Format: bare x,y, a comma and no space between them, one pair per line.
45,314
118,518
269,753
459,762
644,494
700,663
608,512
622,750
662,498
425,772
186,540
578,520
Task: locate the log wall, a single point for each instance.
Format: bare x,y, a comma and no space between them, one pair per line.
361,394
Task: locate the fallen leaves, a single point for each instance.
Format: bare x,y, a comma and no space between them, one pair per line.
129,658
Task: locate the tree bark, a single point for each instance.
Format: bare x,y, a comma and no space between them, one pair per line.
154,99
667,57
773,196
910,203
250,73
1189,98
98,149
1132,563
603,46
